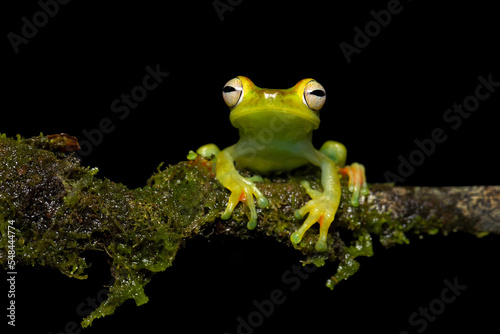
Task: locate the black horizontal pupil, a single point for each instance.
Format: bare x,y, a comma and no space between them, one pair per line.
318,92
228,89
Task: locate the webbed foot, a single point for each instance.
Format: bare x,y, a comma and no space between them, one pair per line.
321,208
357,181
243,190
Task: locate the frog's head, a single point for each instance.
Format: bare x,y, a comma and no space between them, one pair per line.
252,106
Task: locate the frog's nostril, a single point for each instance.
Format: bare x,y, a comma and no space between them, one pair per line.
270,95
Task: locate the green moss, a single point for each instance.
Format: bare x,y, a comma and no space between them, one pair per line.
63,210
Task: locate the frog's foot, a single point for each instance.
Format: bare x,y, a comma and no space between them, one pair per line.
243,190
321,208
357,181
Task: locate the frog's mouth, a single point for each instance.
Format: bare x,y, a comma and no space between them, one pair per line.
275,119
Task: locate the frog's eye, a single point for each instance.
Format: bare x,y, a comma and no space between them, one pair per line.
232,92
314,95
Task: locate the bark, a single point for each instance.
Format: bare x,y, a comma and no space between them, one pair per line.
474,209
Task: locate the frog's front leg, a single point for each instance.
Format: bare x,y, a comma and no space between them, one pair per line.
242,188
323,205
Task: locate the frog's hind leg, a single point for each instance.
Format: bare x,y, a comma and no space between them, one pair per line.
335,151
357,181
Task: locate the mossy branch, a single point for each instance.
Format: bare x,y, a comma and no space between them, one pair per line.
61,210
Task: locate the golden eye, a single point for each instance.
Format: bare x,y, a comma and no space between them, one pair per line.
232,92
314,95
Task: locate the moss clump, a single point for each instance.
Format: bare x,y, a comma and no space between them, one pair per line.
62,210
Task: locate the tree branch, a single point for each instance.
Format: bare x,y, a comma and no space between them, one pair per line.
61,210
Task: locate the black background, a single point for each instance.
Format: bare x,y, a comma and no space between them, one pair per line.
394,91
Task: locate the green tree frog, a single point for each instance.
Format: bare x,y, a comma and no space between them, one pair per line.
275,127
